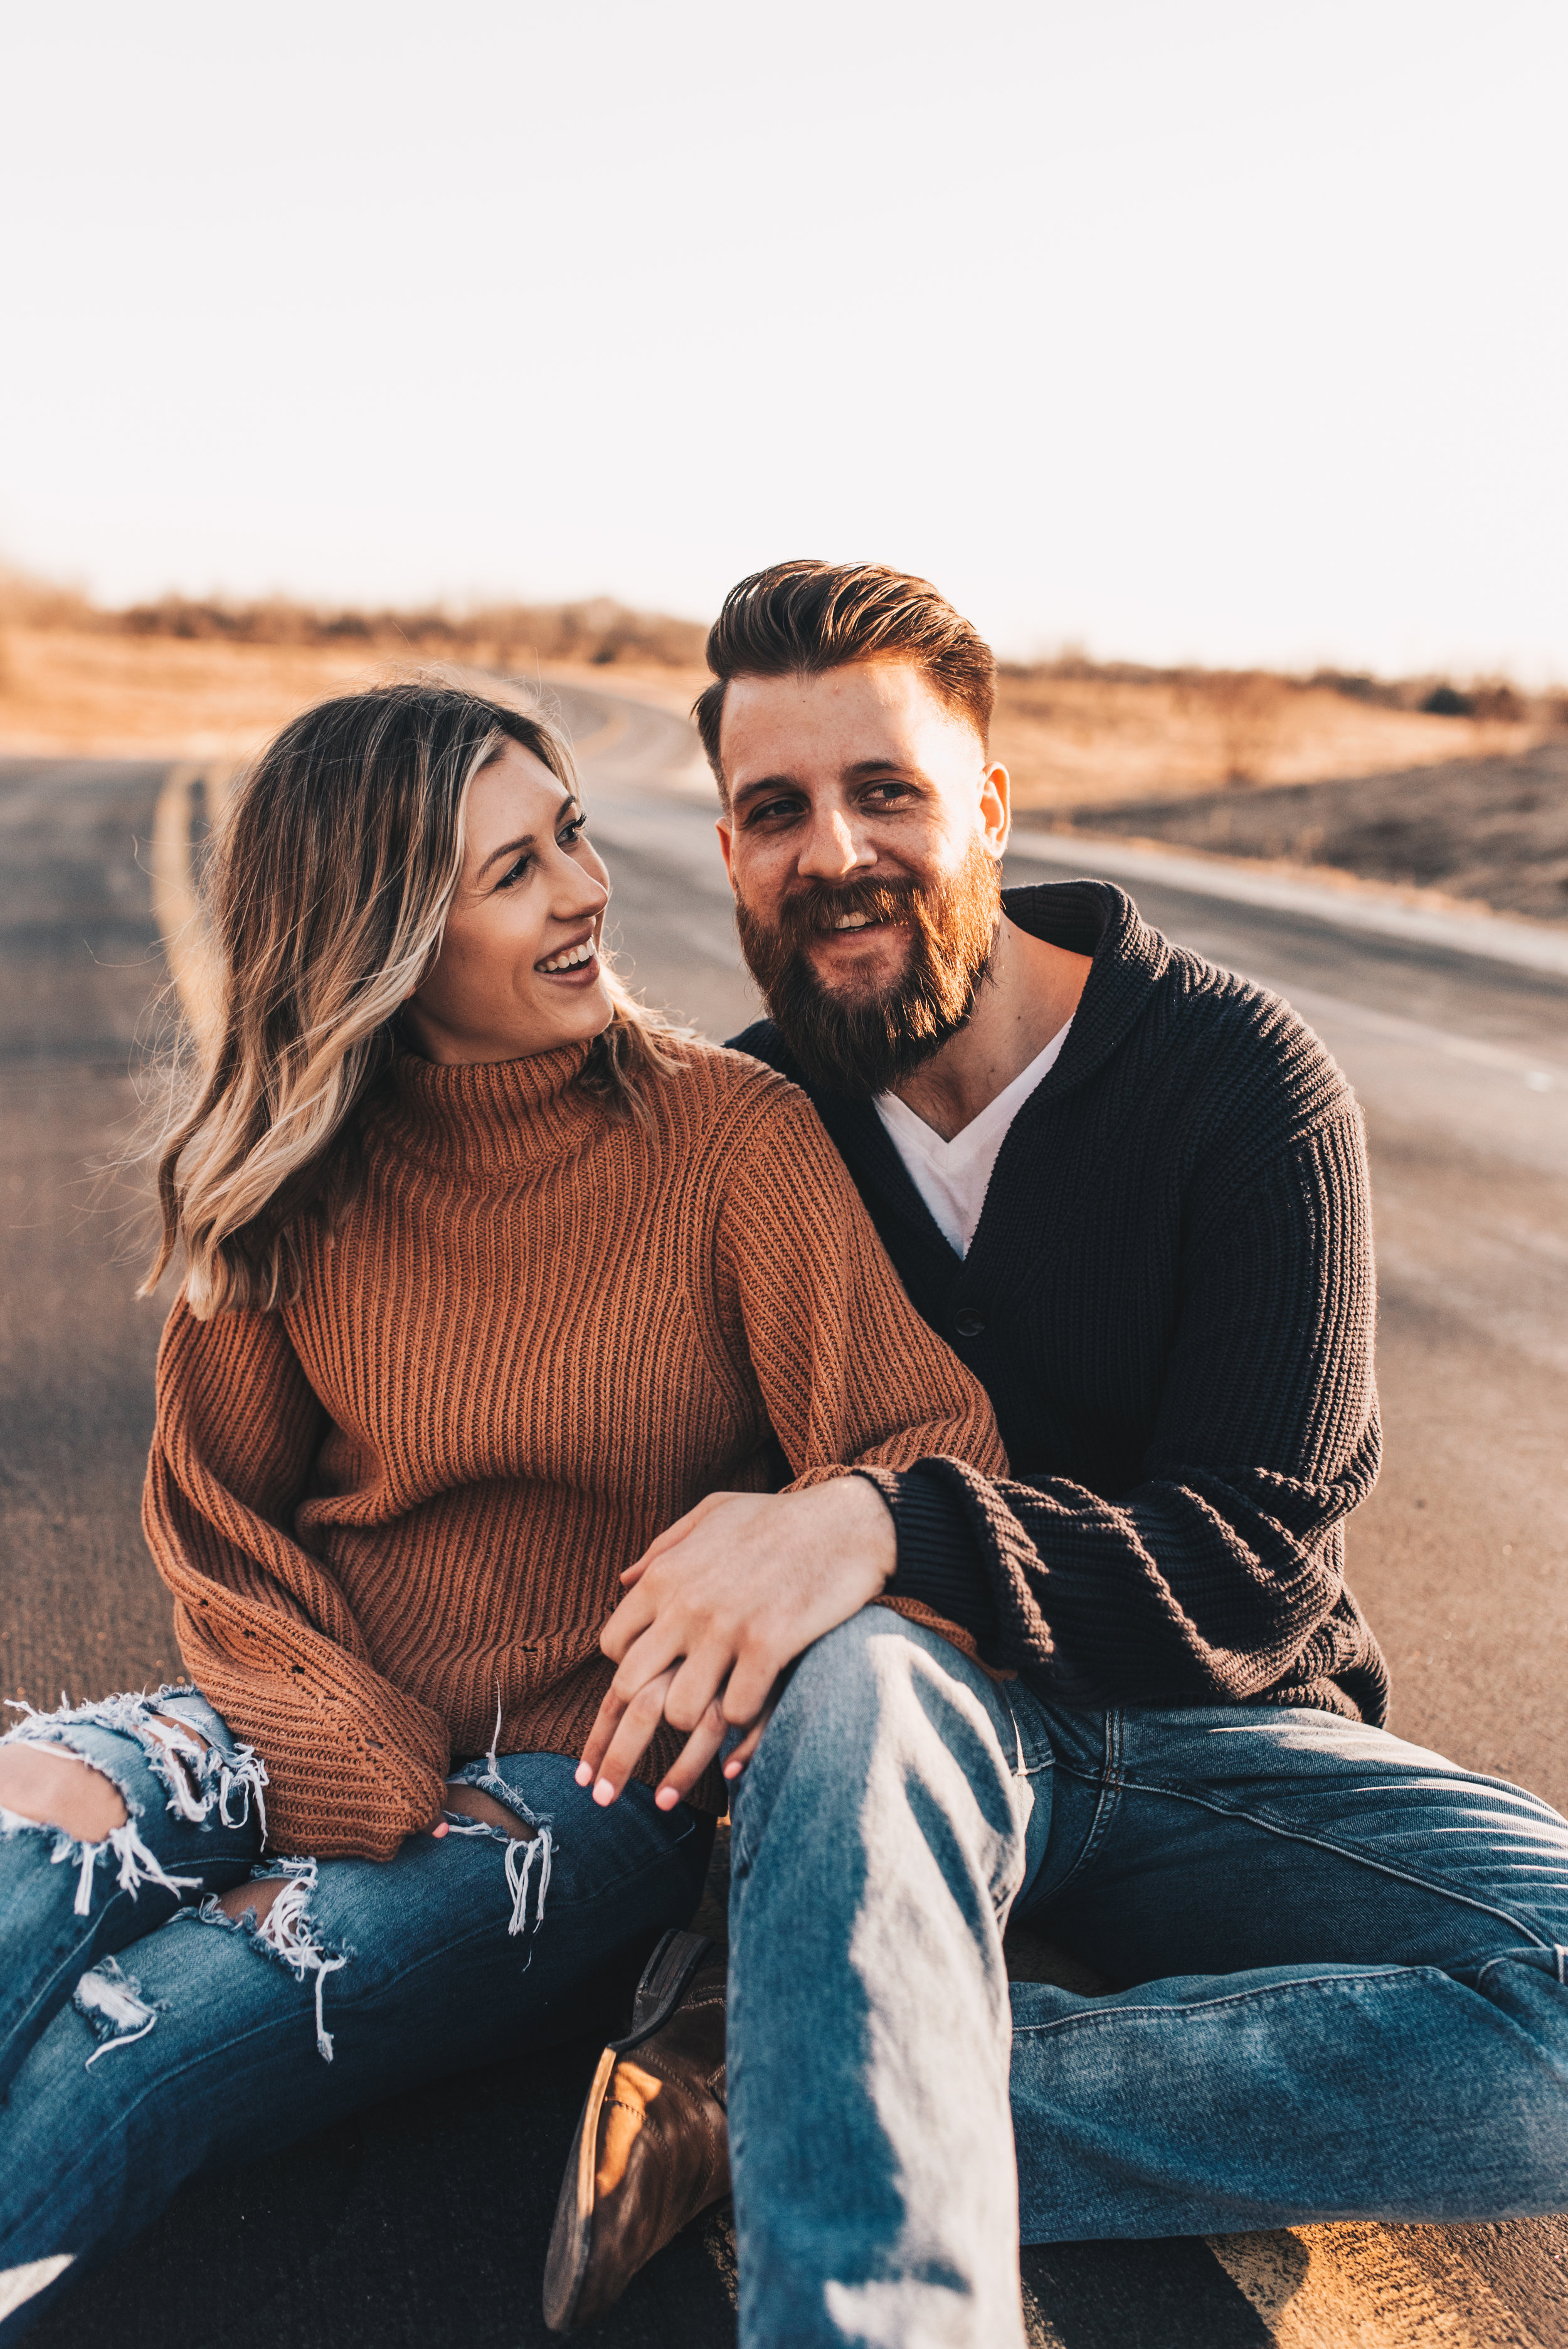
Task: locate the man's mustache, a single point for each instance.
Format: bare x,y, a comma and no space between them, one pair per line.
818,909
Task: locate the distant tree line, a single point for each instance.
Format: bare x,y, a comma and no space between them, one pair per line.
601,631
1495,700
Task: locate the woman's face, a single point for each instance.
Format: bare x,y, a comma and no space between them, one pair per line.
518,969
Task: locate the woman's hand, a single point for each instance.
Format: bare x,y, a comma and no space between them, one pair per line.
715,1611
621,1735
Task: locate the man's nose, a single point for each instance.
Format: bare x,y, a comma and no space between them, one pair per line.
832,848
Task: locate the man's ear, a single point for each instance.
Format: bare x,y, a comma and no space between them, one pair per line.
995,808
726,847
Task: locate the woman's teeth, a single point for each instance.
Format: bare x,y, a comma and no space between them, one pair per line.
573,958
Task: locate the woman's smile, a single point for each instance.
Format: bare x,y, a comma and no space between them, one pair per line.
577,963
531,906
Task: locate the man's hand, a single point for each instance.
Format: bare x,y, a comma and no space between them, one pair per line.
716,1609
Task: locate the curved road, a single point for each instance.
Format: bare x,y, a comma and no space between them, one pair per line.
405,2226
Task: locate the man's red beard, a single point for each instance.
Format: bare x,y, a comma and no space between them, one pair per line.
859,1043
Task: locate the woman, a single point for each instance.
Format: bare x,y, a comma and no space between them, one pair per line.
487,1277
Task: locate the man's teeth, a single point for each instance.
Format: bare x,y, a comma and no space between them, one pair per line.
853,922
570,960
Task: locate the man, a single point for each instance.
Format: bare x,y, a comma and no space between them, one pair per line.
1139,1705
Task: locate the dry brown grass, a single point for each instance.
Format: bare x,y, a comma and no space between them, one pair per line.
67,690
73,692
195,679
1073,740
190,679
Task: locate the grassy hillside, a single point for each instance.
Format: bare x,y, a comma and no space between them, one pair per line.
1417,781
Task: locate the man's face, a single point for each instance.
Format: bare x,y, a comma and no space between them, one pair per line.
862,839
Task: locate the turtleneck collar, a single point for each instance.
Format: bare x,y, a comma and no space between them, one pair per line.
491,1116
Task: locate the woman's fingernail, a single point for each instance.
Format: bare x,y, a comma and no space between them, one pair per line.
603,1791
584,1774
732,1769
441,1831
666,1799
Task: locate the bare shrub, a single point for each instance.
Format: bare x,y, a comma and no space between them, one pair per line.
29,603
1248,709
502,636
1496,701
1446,700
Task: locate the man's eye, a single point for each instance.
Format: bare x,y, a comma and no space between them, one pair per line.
768,811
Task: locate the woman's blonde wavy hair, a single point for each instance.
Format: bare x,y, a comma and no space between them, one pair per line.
328,894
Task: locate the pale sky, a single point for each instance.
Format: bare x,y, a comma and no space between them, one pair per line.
1223,331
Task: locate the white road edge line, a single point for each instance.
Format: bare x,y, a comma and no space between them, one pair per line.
175,905
1496,938
1417,1033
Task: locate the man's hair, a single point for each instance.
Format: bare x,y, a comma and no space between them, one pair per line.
801,618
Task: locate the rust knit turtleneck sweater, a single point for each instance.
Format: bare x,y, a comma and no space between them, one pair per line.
394,1512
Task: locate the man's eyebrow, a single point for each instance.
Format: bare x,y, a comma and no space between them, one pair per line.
863,768
763,783
527,839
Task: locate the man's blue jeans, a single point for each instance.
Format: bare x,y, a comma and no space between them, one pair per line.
1344,1963
143,2035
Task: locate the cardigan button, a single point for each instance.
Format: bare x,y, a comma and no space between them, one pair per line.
968,1323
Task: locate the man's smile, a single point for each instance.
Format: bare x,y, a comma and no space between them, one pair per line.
855,937
854,924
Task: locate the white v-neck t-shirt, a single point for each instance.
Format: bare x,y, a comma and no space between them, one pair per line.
952,1177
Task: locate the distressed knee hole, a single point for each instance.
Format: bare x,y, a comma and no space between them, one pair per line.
252,1900
270,1910
480,1798
200,1777
55,1788
110,2003
473,1803
176,1739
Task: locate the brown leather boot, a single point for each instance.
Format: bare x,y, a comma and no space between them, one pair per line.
652,2148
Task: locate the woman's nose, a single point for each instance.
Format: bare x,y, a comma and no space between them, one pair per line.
582,887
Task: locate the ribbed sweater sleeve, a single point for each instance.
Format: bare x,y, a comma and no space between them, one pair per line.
263,1626
1218,1575
851,1374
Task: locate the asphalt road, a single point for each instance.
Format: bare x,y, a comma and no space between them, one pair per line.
424,2220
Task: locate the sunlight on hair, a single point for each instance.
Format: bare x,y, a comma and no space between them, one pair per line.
333,866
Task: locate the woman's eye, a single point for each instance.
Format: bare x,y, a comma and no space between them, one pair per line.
573,832
510,878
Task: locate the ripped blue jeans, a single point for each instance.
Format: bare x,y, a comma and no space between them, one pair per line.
145,2034
1341,1967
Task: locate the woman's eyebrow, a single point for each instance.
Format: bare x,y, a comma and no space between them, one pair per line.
508,848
